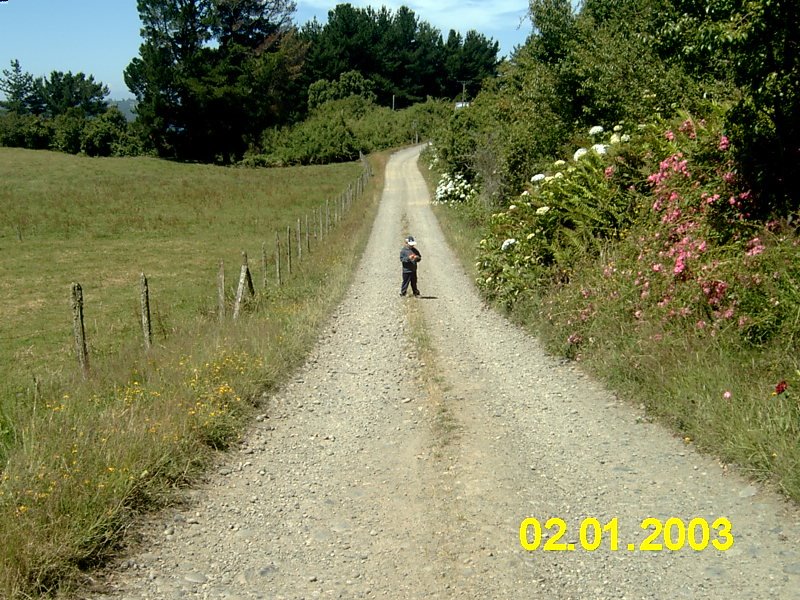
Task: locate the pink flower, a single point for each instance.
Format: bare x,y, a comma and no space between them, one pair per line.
755,247
727,395
670,136
724,143
700,324
609,172
687,127
657,267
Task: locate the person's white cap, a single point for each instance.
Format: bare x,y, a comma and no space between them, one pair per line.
411,241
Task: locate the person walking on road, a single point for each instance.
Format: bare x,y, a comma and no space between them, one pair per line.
409,257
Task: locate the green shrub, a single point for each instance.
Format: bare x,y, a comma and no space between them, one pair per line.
105,135
25,131
339,129
68,132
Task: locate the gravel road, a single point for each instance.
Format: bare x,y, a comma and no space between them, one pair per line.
365,480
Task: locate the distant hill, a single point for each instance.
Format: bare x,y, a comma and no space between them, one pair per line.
125,106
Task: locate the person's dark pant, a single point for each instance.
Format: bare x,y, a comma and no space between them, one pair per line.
409,277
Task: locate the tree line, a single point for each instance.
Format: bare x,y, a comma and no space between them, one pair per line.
212,76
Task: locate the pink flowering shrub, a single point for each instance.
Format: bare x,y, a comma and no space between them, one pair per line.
673,234
698,247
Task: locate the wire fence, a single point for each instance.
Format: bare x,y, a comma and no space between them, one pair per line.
290,247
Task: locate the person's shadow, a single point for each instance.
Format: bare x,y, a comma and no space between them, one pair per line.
421,297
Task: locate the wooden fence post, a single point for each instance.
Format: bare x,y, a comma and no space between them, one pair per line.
278,257
288,249
144,295
299,240
78,328
327,217
221,290
245,280
308,237
264,262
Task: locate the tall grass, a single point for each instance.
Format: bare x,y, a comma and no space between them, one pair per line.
81,458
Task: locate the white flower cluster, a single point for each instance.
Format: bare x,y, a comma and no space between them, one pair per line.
453,190
507,244
598,148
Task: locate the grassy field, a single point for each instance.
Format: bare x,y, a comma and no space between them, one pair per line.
80,458
102,222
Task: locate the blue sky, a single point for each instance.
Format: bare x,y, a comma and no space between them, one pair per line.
100,37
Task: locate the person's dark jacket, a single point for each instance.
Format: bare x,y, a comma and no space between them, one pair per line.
409,265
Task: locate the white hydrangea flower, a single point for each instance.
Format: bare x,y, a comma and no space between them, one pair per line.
600,148
625,138
615,139
558,175
596,130
542,210
512,208
617,128
525,193
537,178
507,244
578,153
559,163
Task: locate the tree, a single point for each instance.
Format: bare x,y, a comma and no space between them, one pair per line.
205,75
20,90
553,22
405,58
468,61
64,91
349,84
253,24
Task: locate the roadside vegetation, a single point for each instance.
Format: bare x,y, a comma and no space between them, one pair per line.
625,190
82,458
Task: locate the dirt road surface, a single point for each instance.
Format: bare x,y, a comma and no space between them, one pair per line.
360,482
